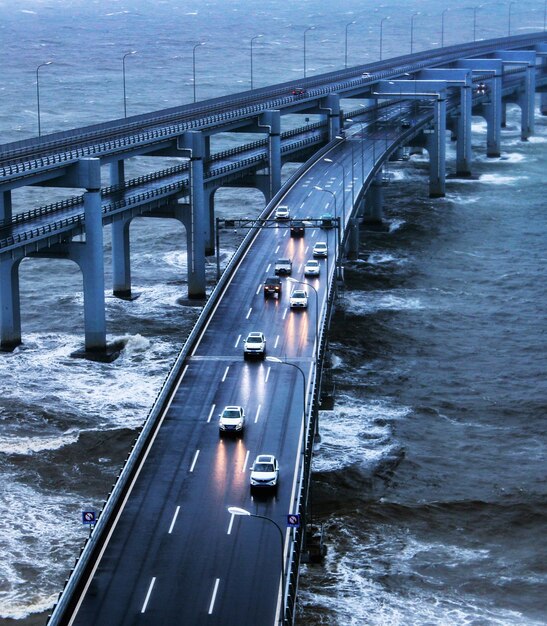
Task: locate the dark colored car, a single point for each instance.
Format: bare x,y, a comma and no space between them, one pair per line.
298,91
297,228
272,286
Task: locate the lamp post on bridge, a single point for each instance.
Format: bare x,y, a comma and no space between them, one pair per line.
38,94
362,149
123,72
442,26
384,19
337,239
412,30
303,282
509,18
327,160
196,46
475,9
307,29
235,510
274,359
252,39
346,47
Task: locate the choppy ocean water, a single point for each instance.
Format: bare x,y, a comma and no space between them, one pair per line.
430,475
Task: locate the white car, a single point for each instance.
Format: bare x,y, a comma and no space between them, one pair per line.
282,212
264,472
320,249
254,345
312,268
299,299
232,420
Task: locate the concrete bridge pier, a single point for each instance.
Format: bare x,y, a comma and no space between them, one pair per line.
352,245
192,142
374,202
541,50
526,96
436,146
89,256
10,305
121,262
5,206
272,121
331,104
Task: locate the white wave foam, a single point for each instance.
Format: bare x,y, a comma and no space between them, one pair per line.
367,302
537,139
33,524
499,179
30,445
377,258
395,225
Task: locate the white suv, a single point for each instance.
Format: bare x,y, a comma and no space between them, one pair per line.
265,472
282,213
254,345
320,249
232,420
312,268
299,299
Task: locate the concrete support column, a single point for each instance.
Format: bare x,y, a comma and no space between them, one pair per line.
541,49
121,261
332,105
374,201
436,145
526,102
5,207
117,172
92,261
493,119
272,121
352,244
10,305
192,142
464,153
209,200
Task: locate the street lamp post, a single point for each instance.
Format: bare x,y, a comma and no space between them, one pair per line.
337,239
412,30
38,94
252,39
346,47
201,43
382,33
475,9
509,18
327,160
307,29
442,26
235,510
123,72
274,359
362,148
303,282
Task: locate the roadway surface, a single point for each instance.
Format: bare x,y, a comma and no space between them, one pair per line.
175,554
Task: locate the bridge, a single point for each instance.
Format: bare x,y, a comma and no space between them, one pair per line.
180,538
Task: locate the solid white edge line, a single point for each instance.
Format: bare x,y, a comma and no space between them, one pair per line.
225,373
174,520
211,412
152,583
213,598
194,461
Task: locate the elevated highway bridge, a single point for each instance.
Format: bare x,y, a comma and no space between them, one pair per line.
166,549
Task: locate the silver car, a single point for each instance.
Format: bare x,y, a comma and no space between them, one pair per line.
312,268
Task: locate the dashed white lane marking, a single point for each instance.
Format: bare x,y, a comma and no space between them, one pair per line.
173,521
249,313
246,460
213,598
152,583
194,461
230,525
257,413
238,340
258,290
268,268
285,313
277,249
285,233
211,413
275,346
307,248
225,373
269,369
314,232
